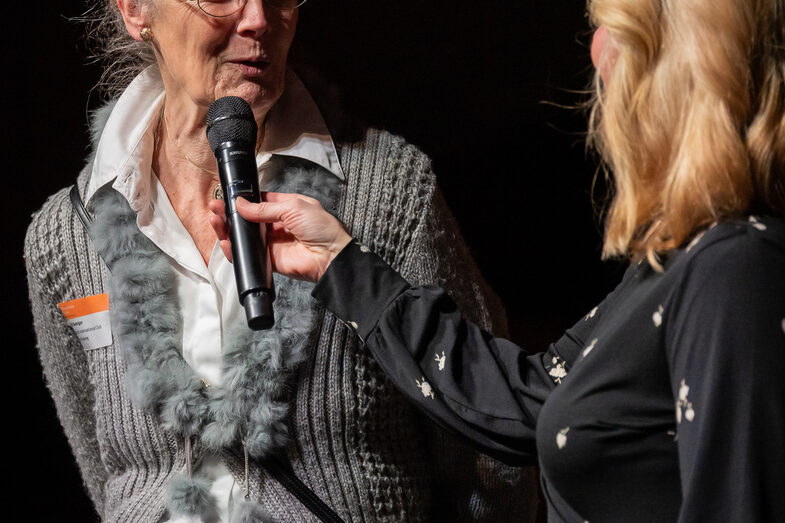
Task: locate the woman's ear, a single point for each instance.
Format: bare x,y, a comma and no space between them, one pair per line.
604,52
135,16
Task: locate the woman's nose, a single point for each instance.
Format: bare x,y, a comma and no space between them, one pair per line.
253,19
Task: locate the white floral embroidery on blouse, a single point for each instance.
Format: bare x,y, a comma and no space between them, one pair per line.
561,437
657,316
425,388
758,225
591,313
590,347
558,371
440,359
683,404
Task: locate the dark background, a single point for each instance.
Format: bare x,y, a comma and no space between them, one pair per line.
478,85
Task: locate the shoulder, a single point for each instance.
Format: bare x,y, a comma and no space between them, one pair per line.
389,179
381,153
729,289
390,186
53,234
44,251
744,250
48,224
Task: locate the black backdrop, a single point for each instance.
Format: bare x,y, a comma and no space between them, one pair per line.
476,85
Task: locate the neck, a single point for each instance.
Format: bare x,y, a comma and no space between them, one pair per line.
183,160
187,170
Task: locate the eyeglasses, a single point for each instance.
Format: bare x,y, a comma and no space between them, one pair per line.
222,8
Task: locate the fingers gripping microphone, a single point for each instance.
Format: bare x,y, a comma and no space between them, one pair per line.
231,131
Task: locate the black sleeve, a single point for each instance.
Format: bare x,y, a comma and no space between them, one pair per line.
726,349
487,389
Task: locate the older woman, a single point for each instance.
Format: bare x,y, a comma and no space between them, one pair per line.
666,402
174,409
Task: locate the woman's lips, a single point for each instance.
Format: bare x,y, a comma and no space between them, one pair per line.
252,67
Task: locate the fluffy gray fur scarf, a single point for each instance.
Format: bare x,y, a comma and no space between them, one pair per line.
251,408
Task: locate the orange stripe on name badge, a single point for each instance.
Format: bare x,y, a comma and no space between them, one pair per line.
84,306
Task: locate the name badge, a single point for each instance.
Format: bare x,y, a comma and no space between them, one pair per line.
89,317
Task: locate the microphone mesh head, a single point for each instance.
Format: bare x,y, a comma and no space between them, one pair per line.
230,119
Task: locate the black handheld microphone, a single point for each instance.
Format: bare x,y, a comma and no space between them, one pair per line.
231,131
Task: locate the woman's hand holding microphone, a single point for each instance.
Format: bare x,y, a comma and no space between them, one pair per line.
303,238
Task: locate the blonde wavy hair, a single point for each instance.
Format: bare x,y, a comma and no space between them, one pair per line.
691,122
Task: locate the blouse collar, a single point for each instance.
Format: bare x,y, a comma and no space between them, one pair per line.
295,127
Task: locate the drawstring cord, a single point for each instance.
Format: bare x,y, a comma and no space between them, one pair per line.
188,465
247,485
188,456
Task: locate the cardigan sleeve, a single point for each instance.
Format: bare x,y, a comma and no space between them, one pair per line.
726,351
62,358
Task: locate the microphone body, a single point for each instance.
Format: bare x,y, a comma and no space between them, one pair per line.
235,153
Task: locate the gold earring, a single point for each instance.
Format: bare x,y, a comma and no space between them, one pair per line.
147,34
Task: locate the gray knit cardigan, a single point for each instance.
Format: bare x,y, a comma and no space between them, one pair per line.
354,439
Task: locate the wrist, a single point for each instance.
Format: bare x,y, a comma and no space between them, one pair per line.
335,248
338,245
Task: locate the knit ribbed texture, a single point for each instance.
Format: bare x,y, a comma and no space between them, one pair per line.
354,440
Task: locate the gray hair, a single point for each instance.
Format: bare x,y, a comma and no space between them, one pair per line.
110,44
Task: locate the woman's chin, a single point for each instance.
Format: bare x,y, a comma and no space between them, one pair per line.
259,96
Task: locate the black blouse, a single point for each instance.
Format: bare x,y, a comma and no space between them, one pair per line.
666,402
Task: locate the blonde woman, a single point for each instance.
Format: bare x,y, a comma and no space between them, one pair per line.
666,402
